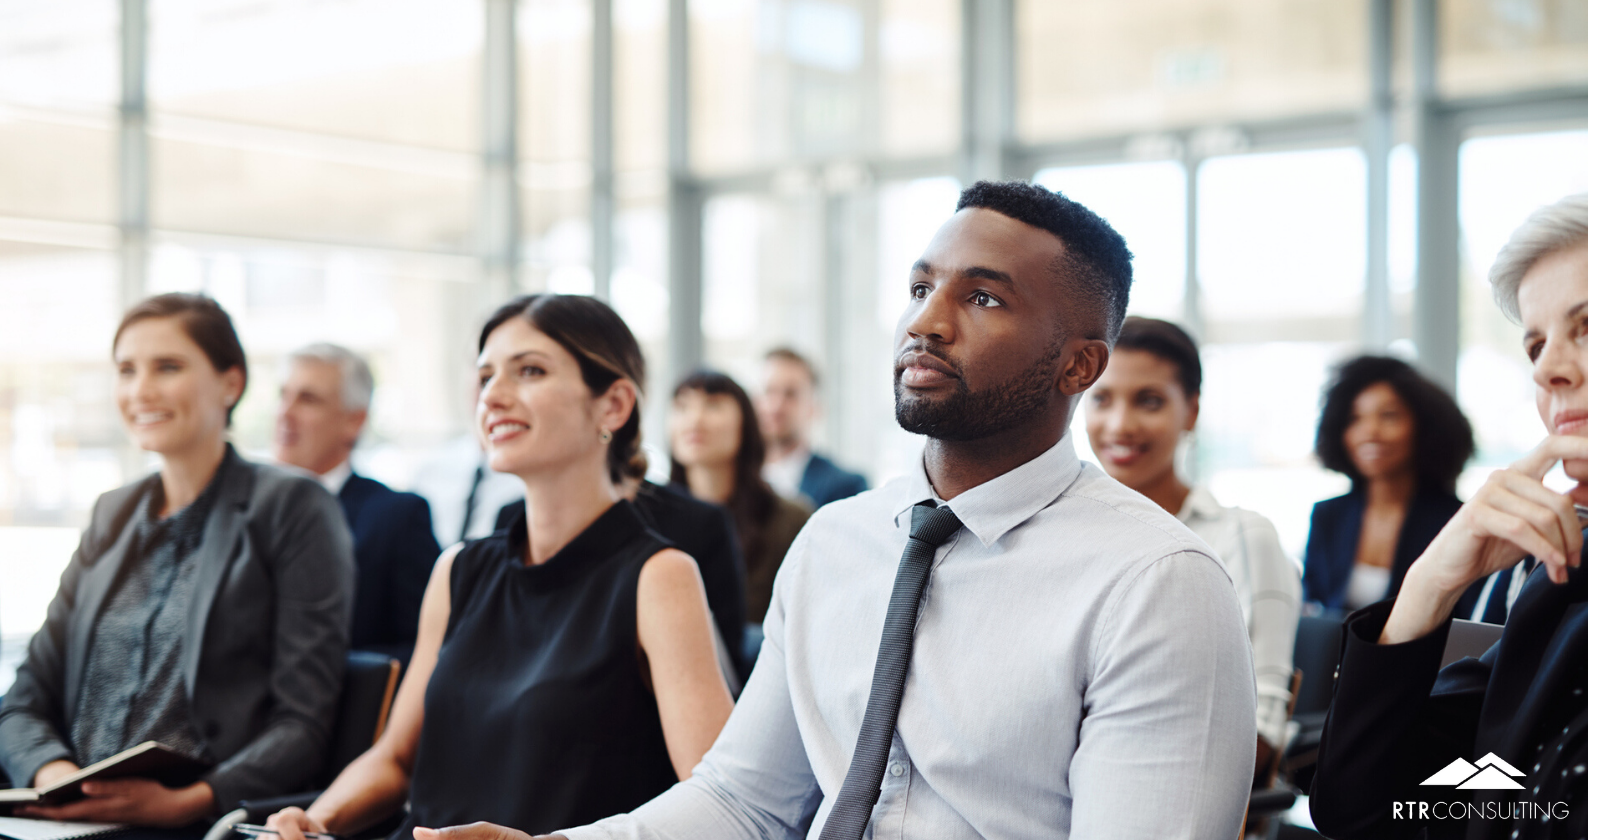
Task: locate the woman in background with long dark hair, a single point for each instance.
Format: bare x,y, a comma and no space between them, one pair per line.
1403,442
717,453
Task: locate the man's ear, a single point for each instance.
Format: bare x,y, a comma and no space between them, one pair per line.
354,421
1087,361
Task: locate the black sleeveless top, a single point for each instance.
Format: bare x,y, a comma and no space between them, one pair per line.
537,715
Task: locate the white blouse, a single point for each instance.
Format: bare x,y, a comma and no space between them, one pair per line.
1267,584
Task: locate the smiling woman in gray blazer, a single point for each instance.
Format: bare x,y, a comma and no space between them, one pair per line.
207,606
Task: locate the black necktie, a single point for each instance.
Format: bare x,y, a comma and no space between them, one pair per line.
930,527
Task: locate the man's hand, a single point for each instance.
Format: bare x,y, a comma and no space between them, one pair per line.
53,772
477,831
1513,516
142,802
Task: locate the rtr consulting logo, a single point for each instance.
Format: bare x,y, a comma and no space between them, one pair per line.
1490,773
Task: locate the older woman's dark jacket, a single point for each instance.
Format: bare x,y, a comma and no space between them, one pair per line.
1396,720
269,626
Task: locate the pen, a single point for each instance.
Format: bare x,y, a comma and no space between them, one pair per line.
263,831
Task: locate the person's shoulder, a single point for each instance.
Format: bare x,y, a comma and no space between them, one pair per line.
834,474
674,499
1335,504
266,480
114,508
270,490
111,502
383,495
1249,521
864,504
1096,502
790,510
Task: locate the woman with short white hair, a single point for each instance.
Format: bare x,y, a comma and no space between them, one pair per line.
1522,702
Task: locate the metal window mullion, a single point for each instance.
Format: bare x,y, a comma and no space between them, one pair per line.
685,343
500,222
988,100
133,154
602,191
1377,313
1436,312
1193,311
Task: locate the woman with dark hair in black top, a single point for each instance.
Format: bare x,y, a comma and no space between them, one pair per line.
565,668
1403,442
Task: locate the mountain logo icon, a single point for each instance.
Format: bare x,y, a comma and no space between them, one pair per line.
1489,773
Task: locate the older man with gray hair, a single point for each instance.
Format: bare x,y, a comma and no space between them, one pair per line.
322,408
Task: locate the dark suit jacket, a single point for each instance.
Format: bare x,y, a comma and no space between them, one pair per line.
823,482
702,531
1336,533
1396,719
264,658
395,551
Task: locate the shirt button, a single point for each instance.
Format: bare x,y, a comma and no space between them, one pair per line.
897,769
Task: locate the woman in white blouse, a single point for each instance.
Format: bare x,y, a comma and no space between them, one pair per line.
1148,398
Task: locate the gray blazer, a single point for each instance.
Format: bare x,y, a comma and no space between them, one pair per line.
268,631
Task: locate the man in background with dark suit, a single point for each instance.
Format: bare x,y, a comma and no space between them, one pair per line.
322,408
787,407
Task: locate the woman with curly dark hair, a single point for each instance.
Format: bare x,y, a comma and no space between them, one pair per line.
717,454
1403,443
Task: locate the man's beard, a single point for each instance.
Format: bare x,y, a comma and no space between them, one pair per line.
973,415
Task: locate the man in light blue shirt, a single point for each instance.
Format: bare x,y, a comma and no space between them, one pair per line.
1079,664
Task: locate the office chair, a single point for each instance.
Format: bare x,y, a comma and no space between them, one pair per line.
369,686
1317,645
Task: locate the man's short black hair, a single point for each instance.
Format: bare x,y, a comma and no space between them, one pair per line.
1097,268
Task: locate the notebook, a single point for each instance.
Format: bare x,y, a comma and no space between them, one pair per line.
18,828
1469,638
150,760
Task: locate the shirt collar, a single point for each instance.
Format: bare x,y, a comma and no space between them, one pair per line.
1199,504
993,508
335,478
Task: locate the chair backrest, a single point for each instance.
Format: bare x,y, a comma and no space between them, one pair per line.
1316,656
369,685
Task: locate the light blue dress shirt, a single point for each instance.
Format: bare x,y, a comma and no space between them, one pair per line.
1080,668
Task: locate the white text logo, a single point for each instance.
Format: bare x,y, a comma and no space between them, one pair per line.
1490,773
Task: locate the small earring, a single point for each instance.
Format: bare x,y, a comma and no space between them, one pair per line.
605,436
